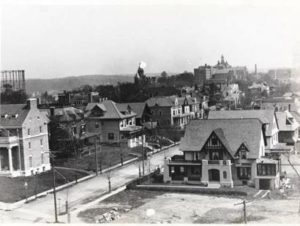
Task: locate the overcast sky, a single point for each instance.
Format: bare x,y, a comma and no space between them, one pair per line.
51,40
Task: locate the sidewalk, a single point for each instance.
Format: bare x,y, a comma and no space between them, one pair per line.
81,193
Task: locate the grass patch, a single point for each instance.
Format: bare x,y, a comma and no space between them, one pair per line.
109,156
14,190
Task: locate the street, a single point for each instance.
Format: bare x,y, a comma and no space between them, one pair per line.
42,209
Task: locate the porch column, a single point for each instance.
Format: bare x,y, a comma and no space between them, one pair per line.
10,160
204,177
19,152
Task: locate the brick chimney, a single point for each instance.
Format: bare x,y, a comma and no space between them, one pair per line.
32,103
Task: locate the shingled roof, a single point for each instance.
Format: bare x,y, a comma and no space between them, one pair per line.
13,115
110,110
232,133
137,108
265,116
286,121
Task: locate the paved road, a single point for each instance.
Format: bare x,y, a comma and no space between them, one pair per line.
42,210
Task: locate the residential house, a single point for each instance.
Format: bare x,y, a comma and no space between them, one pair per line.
224,151
231,94
113,125
143,113
288,128
67,126
269,123
257,89
24,149
173,111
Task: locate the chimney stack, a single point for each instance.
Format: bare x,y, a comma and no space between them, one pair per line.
32,103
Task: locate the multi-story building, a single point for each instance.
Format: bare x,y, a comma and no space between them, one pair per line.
112,124
220,74
24,146
224,151
173,111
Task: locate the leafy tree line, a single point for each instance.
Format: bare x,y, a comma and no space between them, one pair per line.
9,96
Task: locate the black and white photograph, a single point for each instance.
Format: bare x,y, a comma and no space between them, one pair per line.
150,112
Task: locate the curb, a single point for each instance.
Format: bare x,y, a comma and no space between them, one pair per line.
11,206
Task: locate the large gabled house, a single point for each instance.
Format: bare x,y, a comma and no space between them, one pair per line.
224,151
269,125
112,124
24,148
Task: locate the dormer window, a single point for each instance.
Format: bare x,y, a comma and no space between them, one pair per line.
243,154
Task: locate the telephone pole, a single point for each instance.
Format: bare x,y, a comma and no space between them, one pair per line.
96,156
244,209
54,194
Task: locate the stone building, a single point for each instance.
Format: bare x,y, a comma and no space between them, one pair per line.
24,148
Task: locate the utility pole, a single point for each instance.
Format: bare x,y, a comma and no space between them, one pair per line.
54,193
96,157
244,210
143,154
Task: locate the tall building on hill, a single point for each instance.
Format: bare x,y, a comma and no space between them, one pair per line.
221,73
13,79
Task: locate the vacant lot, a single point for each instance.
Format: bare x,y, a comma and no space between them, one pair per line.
13,189
136,206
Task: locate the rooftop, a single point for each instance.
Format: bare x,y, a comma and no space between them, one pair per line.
232,133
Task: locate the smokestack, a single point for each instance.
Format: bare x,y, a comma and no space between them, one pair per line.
255,69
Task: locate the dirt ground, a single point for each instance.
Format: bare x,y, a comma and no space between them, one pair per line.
156,207
140,206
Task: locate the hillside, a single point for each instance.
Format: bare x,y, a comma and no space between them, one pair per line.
68,83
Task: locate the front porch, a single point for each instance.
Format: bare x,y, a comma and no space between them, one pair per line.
10,157
205,172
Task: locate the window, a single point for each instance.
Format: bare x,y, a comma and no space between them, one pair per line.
41,142
181,169
214,140
266,169
244,172
195,170
97,125
29,145
42,158
30,161
243,154
159,113
82,129
215,155
74,130
111,136
224,174
41,129
172,169
28,131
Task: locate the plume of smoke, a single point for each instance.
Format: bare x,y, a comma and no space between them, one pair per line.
142,64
